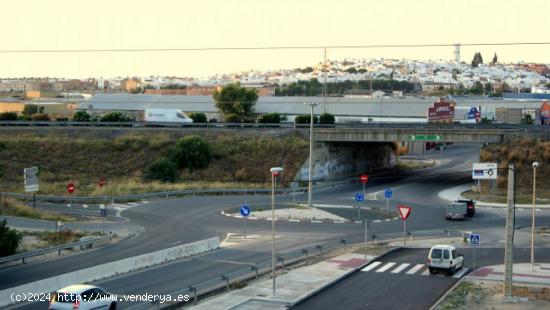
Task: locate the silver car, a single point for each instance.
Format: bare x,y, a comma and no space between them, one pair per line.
82,297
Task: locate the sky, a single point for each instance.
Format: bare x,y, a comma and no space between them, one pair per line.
122,24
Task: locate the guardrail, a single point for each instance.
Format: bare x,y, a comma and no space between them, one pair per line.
288,125
135,197
58,249
225,281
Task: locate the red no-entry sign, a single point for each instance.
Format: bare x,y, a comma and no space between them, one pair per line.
364,178
404,211
101,182
70,188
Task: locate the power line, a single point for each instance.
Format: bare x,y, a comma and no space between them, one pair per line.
302,47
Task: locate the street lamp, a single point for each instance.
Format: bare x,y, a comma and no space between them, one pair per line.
310,170
275,171
535,165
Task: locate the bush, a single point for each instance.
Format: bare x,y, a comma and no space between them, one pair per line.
213,120
326,118
270,118
116,117
305,118
61,119
81,116
9,239
31,109
198,117
192,152
232,118
40,117
23,117
163,170
8,116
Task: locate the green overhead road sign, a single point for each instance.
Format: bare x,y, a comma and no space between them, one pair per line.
426,138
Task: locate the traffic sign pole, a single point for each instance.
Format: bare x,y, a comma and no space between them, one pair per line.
404,233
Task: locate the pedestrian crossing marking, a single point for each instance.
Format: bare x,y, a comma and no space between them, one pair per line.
400,268
426,272
371,266
414,269
385,267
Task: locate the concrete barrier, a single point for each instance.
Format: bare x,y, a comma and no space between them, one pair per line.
110,269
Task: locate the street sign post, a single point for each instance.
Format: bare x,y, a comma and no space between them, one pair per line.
364,179
245,212
103,213
484,171
388,193
474,240
293,186
404,212
359,197
70,190
31,182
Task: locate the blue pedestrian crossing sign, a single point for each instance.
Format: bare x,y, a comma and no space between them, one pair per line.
474,239
359,197
245,210
388,193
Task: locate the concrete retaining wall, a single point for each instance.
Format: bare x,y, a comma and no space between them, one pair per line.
110,269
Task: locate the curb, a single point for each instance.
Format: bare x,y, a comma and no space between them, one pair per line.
432,307
292,220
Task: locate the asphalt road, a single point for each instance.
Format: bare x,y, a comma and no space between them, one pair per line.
165,223
402,286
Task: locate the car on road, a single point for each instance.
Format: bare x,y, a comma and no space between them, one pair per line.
470,206
444,258
456,211
81,297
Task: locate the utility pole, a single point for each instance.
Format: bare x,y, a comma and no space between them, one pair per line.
509,245
325,82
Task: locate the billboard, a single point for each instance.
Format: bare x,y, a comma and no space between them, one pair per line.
442,111
545,113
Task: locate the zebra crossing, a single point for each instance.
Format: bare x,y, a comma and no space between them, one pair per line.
407,269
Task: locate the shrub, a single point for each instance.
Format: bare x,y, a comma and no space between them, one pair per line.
326,118
31,109
305,118
40,117
192,152
9,239
23,117
270,118
116,117
8,116
213,120
198,117
81,116
163,170
232,118
62,119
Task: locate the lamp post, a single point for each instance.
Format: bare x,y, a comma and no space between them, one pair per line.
535,165
275,171
310,169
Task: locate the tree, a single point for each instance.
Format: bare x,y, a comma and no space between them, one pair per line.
116,117
81,116
326,118
31,109
163,170
527,119
198,117
9,239
477,60
234,99
40,117
495,58
191,152
8,116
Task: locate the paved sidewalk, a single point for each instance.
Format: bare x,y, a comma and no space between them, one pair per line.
292,287
522,273
451,194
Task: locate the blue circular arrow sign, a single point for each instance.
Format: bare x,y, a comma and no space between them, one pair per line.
388,193
359,197
245,210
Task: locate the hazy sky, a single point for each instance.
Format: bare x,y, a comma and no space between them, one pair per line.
122,24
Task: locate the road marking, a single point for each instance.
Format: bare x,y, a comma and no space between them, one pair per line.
371,266
461,273
133,204
400,268
414,269
84,206
385,267
426,272
144,202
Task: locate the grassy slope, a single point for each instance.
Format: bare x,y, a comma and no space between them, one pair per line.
522,153
239,160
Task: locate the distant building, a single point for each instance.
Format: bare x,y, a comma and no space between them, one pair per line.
32,94
129,85
526,96
363,93
182,91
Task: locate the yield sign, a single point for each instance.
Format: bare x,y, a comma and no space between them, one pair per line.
404,211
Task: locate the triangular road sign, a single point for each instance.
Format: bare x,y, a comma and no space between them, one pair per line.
404,212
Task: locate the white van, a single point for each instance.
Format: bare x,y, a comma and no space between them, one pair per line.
444,258
166,116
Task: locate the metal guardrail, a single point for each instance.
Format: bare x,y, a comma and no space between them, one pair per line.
57,249
253,271
135,197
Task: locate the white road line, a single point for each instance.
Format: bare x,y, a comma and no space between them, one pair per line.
144,201
385,267
426,272
415,269
84,206
133,204
371,266
461,273
400,268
